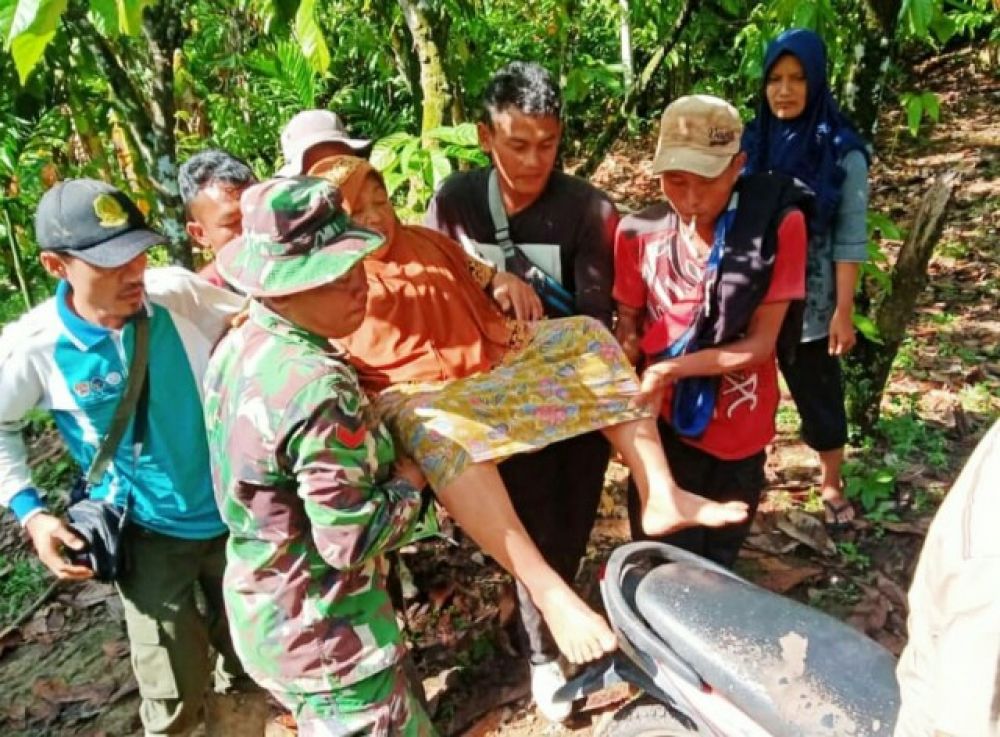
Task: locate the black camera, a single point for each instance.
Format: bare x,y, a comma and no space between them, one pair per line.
100,525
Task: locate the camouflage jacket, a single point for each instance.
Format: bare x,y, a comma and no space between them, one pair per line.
302,473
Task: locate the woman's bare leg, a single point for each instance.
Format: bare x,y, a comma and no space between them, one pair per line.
479,502
665,506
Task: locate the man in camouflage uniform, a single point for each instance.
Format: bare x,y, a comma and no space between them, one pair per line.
305,474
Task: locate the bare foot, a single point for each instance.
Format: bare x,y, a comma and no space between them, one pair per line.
580,633
665,513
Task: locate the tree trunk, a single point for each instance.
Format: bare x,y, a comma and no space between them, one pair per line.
433,79
625,25
407,64
565,10
867,78
164,32
868,366
141,83
637,93
15,253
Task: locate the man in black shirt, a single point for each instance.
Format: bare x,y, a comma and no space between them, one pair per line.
566,227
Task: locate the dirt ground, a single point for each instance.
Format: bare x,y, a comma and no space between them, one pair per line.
64,666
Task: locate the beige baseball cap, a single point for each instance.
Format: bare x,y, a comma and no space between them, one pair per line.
309,128
698,134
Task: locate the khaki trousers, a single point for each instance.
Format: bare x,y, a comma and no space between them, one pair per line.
177,646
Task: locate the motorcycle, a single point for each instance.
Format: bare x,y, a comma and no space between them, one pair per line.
716,655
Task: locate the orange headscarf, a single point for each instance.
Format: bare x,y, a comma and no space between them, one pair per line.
428,319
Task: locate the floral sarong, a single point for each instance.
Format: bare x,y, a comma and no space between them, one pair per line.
570,378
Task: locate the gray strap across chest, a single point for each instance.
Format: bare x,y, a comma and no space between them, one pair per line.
499,215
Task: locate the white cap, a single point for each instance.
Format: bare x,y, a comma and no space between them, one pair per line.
307,129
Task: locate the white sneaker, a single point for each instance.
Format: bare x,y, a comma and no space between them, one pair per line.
546,679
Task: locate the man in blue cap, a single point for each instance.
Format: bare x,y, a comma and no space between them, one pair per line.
71,356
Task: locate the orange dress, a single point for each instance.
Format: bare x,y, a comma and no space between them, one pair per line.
429,317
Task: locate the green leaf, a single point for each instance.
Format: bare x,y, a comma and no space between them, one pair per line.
385,152
914,105
943,28
310,37
284,11
130,15
7,8
867,327
393,181
474,156
805,15
786,10
931,105
854,486
411,157
884,224
104,15
460,135
879,276
575,87
34,26
885,477
440,166
918,15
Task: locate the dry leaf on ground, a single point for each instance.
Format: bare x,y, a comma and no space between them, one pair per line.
807,529
781,576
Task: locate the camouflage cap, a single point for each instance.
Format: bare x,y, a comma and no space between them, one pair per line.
295,238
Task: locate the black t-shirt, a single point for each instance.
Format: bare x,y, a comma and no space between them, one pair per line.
570,213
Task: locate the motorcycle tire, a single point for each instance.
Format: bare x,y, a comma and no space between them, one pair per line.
646,717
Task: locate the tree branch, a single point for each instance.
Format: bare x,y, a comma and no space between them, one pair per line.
868,365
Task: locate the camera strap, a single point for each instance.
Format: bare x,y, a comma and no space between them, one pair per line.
135,399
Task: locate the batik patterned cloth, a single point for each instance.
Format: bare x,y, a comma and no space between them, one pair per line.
302,472
571,378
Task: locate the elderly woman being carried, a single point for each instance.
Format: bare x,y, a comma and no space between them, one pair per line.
463,386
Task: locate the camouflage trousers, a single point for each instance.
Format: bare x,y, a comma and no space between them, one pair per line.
383,705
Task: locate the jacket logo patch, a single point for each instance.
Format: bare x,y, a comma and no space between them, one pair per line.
352,439
98,387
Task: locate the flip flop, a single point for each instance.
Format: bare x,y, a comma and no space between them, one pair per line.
835,510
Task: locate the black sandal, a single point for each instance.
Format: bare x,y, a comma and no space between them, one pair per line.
835,510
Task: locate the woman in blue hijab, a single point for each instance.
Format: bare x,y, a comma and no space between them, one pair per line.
799,130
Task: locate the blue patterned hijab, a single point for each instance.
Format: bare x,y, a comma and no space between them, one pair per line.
810,146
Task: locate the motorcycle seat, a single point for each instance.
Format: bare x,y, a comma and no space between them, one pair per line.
791,668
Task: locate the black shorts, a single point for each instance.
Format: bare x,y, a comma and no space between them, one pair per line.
817,387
